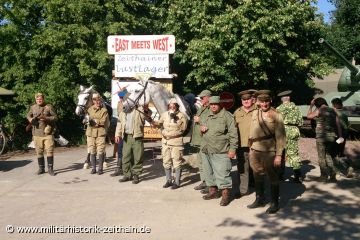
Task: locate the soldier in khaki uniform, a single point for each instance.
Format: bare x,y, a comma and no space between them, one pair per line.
119,146
243,119
96,132
174,124
42,117
218,146
196,135
130,129
267,141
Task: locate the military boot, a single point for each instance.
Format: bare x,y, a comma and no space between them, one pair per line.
93,163
213,193
118,168
50,161
177,178
41,163
87,161
260,198
274,204
168,178
225,200
101,161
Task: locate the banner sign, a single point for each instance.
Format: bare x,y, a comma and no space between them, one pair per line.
129,65
141,44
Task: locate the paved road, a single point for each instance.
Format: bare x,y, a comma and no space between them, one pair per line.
74,197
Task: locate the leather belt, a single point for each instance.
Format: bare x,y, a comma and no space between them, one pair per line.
172,137
266,137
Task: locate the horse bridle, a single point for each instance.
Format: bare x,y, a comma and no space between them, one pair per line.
136,101
83,106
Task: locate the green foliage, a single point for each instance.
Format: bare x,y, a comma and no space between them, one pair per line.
228,45
53,46
344,30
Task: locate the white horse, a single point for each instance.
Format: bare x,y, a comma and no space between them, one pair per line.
147,90
84,102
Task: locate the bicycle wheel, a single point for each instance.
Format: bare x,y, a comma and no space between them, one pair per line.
2,142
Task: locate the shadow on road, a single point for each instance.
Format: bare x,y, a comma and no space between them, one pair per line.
321,215
9,165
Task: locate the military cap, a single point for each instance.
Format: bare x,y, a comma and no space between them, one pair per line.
96,96
172,100
214,100
246,94
263,95
39,94
285,93
205,93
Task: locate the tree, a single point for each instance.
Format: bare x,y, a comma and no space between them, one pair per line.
229,45
344,30
53,46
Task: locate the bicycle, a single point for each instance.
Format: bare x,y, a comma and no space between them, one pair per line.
12,141
2,139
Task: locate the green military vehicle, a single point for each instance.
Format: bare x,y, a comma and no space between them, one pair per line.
348,90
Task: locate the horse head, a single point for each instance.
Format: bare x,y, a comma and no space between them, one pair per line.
84,100
136,96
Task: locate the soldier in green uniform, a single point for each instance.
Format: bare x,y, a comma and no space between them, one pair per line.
195,142
96,132
218,147
130,129
243,119
42,118
293,120
174,124
340,148
267,141
327,129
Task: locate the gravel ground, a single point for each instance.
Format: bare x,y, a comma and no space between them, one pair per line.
308,154
308,150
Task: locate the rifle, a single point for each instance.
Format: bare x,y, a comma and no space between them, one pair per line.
34,122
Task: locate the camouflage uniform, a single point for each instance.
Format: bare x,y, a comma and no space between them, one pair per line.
293,120
326,134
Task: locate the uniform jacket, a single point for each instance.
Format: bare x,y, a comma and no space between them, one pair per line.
292,118
100,115
50,118
202,112
275,127
326,127
222,135
243,121
344,122
138,123
173,130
